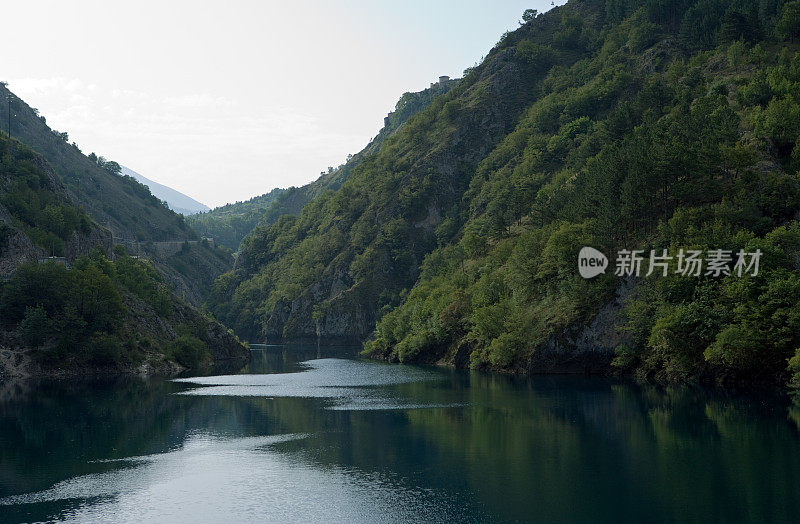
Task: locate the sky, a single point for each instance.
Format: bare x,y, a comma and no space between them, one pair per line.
226,100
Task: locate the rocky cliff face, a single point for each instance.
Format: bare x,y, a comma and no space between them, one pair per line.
143,321
585,348
81,243
348,317
348,311
15,247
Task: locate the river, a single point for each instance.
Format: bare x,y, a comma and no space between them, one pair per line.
316,435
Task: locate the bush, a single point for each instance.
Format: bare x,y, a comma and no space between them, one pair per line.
779,122
504,349
105,350
35,326
188,351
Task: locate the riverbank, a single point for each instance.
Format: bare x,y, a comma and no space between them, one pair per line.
23,365
555,359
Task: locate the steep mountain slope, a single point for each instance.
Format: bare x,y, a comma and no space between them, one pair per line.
294,199
229,224
613,124
137,220
119,203
177,201
37,217
328,272
104,316
192,269
650,143
82,311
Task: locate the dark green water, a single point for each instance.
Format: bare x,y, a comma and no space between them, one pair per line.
339,440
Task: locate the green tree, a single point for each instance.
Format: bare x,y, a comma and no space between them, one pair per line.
35,326
112,167
528,15
788,27
188,350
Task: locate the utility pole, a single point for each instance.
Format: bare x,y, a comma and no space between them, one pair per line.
8,97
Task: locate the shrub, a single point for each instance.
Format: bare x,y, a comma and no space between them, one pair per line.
35,326
188,351
105,350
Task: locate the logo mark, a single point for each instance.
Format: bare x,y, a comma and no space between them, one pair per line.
591,262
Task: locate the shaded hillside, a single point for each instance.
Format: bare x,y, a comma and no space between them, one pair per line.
119,203
191,271
618,125
89,309
231,223
351,251
37,216
103,316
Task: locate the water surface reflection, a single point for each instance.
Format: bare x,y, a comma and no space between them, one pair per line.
334,438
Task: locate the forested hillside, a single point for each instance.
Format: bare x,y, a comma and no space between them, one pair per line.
352,251
101,315
118,203
90,308
125,209
231,223
37,216
617,125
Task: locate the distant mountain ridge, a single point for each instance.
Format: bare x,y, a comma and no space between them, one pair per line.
177,201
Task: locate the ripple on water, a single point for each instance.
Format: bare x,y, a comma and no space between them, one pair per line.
215,479
350,385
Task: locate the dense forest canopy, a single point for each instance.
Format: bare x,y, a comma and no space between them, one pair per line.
614,124
93,313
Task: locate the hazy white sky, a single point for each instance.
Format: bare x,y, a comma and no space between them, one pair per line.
228,99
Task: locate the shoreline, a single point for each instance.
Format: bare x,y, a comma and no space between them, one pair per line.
30,370
21,365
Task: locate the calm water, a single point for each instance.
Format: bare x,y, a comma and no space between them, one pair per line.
308,434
